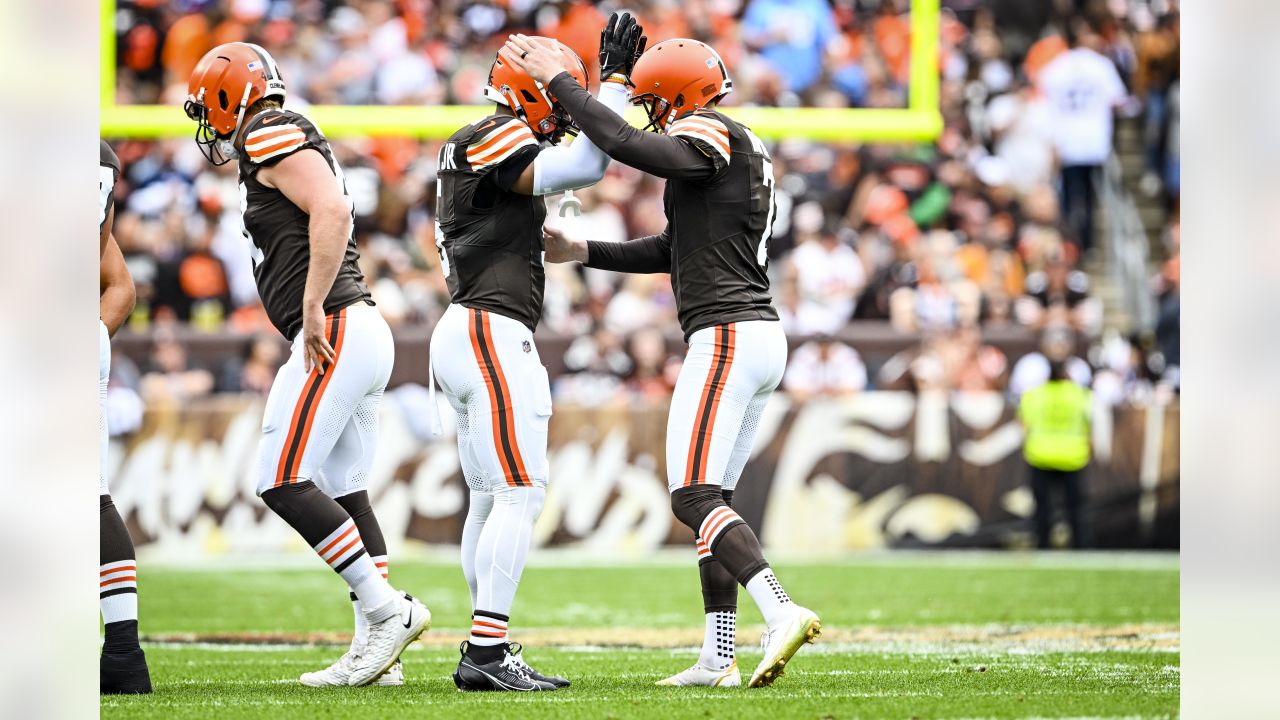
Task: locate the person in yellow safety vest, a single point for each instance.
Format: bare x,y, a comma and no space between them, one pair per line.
1056,417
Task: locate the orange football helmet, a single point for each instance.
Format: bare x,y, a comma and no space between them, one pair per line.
676,77
226,81
529,100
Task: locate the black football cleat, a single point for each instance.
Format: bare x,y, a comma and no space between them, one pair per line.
517,650
123,673
506,673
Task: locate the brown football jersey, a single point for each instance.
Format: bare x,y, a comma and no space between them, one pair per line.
278,229
489,237
719,206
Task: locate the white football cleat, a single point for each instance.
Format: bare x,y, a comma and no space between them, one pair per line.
394,676
337,674
704,677
389,638
781,641
333,676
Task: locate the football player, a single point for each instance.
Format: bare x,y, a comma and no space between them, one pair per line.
720,210
493,175
123,666
320,426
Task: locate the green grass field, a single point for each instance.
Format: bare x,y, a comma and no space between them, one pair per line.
905,636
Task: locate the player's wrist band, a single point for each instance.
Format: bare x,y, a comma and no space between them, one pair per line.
617,77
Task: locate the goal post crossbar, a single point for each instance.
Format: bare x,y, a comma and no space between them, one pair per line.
919,121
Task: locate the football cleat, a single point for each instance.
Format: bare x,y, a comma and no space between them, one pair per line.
124,673
517,650
337,674
388,639
394,676
699,676
506,674
781,641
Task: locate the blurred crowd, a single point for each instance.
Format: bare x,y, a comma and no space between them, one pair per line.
991,225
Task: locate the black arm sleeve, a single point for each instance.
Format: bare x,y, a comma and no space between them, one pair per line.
660,155
643,255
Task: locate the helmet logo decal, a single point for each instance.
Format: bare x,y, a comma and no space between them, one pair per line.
254,65
711,62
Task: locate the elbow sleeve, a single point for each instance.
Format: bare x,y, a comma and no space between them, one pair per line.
558,169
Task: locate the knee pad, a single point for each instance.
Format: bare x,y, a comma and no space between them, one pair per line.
528,500
308,510
693,504
705,510
537,498
114,543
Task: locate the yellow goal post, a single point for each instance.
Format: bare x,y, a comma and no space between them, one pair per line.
919,121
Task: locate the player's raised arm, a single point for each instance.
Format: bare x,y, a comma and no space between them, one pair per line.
307,180
661,155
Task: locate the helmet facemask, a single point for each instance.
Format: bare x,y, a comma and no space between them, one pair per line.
656,109
218,149
551,128
562,124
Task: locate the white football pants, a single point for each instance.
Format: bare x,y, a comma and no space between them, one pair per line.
727,378
488,367
324,427
104,376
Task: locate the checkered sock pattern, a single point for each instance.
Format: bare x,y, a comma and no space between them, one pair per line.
767,591
718,641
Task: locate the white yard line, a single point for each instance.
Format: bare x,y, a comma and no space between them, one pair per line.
418,554
954,640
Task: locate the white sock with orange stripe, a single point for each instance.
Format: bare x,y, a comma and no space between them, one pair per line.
361,635
117,580
361,511
488,628
344,551
118,591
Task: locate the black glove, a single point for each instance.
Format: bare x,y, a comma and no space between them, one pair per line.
620,45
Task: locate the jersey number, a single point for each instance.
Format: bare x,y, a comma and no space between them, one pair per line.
106,183
255,252
446,163
766,169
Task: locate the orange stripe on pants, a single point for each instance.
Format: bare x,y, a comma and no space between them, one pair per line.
502,405
717,376
303,415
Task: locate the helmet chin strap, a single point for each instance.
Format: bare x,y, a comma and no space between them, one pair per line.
244,105
226,147
513,102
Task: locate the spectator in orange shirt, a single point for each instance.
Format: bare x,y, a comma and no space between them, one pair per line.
578,26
